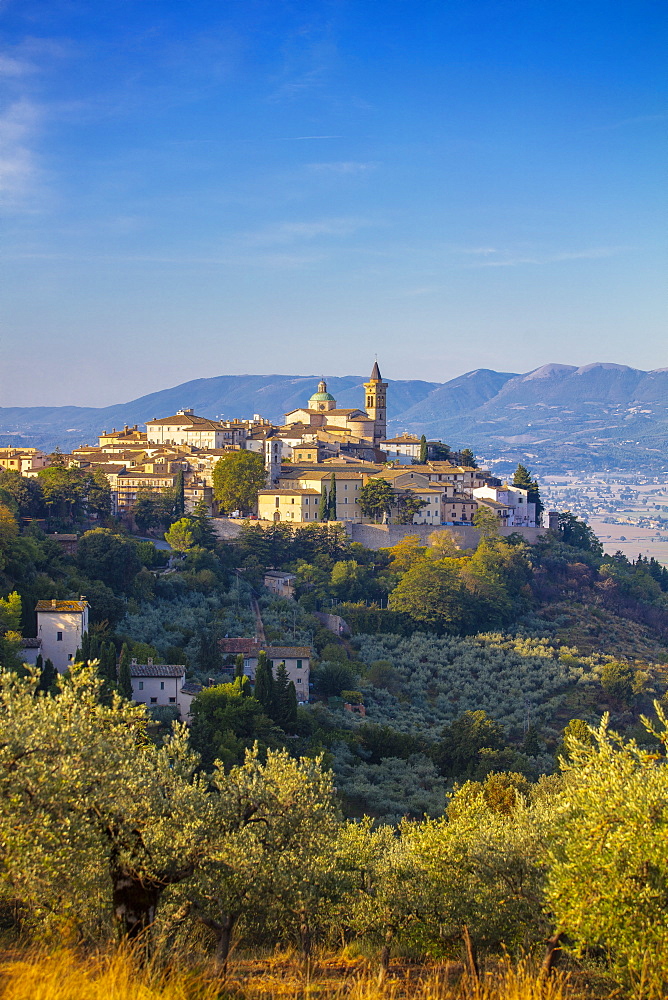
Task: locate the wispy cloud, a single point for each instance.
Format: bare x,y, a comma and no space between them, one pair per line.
342,167
12,66
477,251
509,260
421,290
18,168
293,232
301,138
637,120
21,118
278,260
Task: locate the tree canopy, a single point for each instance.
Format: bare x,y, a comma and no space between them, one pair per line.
237,479
376,498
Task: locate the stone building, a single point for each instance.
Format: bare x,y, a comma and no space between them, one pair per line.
60,626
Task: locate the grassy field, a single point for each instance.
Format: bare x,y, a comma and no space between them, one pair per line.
65,975
631,539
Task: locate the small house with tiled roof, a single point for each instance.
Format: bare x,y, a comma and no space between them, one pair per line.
60,626
163,685
297,660
29,650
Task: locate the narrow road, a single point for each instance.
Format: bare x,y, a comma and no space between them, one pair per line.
259,627
255,608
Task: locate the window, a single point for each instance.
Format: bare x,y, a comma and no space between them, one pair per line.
162,685
299,664
70,656
141,685
59,636
154,701
172,701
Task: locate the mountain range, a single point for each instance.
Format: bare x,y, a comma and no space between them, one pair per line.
600,416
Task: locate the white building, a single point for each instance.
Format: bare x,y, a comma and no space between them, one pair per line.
30,650
519,513
403,449
184,428
60,626
278,582
297,661
162,685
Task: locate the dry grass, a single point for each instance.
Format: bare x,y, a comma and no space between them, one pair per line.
64,975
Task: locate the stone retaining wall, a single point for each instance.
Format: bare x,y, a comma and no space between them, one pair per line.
381,536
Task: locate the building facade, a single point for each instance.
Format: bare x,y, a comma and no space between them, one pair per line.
163,685
297,661
60,626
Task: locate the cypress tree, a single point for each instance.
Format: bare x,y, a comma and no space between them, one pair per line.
332,498
243,686
239,665
85,647
108,664
48,678
208,652
93,650
264,683
285,700
526,481
424,451
124,679
179,496
323,510
203,531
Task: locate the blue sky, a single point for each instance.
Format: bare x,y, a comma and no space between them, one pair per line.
204,188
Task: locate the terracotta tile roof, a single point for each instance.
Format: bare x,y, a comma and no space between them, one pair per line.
287,652
186,420
402,439
31,643
251,647
285,491
62,606
191,687
239,645
157,670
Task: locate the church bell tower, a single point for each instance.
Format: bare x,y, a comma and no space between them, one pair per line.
376,404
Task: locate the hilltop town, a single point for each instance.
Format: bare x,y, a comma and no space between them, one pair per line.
317,465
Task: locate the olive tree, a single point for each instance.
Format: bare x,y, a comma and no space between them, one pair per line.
275,826
94,817
608,883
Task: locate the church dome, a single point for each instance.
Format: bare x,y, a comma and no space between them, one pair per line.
322,396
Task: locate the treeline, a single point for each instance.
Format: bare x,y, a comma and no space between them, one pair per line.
104,832
59,493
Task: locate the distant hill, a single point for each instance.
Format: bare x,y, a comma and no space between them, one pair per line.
557,416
